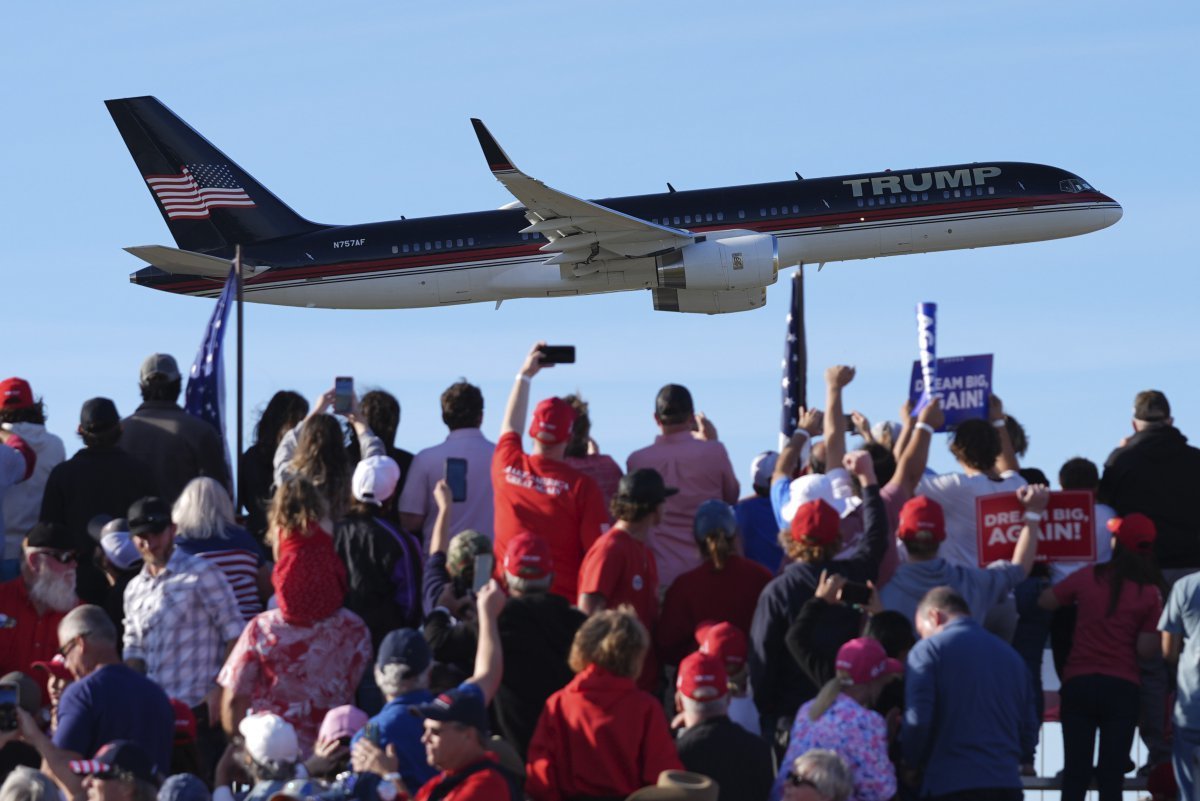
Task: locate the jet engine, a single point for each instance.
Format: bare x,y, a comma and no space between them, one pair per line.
722,261
706,301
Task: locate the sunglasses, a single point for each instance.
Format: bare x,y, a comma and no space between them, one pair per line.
63,557
796,780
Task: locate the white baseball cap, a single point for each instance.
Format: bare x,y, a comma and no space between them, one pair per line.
375,479
269,738
762,468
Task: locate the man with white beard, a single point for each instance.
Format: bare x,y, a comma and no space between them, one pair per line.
34,603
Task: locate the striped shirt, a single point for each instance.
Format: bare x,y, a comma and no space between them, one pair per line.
179,622
239,557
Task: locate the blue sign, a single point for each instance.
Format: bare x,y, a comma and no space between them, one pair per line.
964,385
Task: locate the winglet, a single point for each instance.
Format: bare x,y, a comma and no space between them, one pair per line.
497,159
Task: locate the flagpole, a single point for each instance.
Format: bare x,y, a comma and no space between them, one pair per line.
237,257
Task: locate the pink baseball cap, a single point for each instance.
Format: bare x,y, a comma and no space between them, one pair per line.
341,721
865,660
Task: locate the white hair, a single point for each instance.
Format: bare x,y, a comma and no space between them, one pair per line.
88,620
203,509
394,680
26,784
827,771
526,586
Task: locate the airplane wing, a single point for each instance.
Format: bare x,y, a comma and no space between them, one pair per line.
580,232
186,262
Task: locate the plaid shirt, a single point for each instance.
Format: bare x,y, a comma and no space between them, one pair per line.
179,622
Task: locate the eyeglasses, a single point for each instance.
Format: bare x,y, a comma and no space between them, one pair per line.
63,557
796,780
66,649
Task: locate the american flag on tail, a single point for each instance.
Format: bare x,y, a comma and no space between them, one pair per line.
196,189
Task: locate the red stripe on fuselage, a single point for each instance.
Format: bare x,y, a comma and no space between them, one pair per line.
866,214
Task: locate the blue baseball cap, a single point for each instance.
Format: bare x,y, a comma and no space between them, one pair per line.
404,647
463,704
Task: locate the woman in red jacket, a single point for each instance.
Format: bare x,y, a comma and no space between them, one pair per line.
600,736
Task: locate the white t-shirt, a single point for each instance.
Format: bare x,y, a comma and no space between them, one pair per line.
956,492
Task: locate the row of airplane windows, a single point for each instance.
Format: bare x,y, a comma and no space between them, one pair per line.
687,219
904,198
417,247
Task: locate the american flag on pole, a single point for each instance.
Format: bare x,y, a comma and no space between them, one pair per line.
197,188
795,363
205,395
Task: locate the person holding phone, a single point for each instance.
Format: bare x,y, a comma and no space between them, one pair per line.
462,412
538,492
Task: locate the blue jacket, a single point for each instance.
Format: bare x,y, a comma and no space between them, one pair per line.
968,713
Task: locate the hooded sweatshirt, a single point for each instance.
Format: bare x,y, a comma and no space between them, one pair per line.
23,502
1156,473
982,588
598,736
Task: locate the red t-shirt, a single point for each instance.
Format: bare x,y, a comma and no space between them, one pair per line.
33,639
548,498
705,593
1105,644
482,785
623,570
598,736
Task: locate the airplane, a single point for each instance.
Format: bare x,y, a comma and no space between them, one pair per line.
707,251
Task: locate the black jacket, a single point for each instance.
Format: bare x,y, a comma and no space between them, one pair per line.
1157,473
738,761
780,686
94,481
536,632
177,446
383,571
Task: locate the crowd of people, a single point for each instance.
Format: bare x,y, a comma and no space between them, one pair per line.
550,626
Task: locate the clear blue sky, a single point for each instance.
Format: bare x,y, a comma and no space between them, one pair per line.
359,111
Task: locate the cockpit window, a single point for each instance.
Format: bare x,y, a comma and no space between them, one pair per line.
1074,185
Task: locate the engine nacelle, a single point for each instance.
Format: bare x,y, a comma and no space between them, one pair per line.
725,260
707,301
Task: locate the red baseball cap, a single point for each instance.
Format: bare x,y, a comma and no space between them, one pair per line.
865,660
552,421
702,677
15,393
185,723
1134,532
56,667
815,523
528,557
724,640
921,518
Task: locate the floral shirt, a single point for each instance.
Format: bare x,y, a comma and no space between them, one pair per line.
858,735
299,672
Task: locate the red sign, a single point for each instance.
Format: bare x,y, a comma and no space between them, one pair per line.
1068,527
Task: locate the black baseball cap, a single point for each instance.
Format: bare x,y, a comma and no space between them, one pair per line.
98,414
673,404
50,535
120,759
460,705
644,487
148,516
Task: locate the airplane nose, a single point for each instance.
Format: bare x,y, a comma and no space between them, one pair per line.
1113,214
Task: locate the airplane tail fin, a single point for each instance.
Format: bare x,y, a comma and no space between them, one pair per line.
206,199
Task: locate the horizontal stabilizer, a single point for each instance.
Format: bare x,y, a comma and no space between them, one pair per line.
185,262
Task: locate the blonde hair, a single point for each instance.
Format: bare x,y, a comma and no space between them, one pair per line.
297,505
613,639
